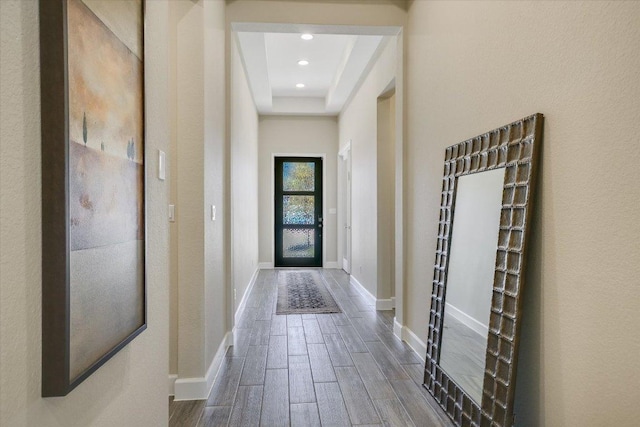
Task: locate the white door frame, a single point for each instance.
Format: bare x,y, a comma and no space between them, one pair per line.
323,156
344,221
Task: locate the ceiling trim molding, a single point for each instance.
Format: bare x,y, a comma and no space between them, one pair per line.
359,62
344,152
254,58
331,89
356,30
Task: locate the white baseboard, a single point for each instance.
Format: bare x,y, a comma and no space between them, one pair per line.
247,292
416,344
407,335
331,264
199,388
265,265
379,304
467,320
363,291
172,383
397,329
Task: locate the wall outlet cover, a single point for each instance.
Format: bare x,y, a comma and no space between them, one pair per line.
162,165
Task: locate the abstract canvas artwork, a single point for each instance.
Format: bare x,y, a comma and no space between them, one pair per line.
93,185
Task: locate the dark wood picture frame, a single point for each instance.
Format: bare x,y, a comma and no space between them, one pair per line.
57,377
514,147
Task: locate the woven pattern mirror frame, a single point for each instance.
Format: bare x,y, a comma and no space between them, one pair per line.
515,148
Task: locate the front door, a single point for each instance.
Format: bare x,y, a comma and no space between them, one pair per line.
298,212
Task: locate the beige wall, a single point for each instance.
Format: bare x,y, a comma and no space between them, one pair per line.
199,317
191,212
473,66
297,135
344,12
172,166
386,171
358,124
244,178
129,389
216,248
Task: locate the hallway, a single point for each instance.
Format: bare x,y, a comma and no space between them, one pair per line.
304,370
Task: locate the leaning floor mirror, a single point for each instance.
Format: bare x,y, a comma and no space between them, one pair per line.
476,302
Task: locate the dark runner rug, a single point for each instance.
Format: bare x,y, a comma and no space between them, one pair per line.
302,292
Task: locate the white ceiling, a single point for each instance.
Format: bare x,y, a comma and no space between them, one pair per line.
339,58
325,55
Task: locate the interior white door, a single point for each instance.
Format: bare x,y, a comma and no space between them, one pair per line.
346,164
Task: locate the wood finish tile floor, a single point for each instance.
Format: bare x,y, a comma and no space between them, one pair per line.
462,356
345,369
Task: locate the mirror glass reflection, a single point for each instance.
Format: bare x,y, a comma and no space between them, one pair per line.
474,241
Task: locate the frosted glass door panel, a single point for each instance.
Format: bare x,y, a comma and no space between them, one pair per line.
298,242
298,176
298,210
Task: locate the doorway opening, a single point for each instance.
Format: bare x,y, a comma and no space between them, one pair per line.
338,72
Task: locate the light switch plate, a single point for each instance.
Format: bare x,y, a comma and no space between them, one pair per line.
161,165
213,213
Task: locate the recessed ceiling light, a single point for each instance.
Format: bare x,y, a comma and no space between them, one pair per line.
303,62
300,85
306,36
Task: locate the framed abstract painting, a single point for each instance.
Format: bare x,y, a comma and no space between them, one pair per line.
93,185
